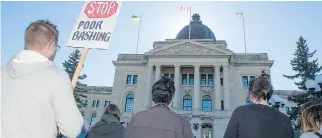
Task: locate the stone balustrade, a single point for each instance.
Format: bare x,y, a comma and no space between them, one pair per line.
131,57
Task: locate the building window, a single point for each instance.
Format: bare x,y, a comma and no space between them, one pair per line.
187,103
86,103
191,79
93,119
210,79
245,81
107,103
135,79
221,81
251,78
222,106
172,77
203,79
129,103
287,109
97,103
184,79
129,79
206,103
94,102
166,75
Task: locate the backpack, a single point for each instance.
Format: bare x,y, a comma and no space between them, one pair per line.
318,134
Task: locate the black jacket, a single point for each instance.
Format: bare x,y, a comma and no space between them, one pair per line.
258,121
108,127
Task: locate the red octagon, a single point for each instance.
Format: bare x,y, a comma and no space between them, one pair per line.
101,9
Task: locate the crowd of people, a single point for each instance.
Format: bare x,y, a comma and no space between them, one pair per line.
38,102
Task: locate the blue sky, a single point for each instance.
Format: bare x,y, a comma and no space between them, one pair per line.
271,27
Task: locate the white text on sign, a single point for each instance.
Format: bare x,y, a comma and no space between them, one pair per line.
101,9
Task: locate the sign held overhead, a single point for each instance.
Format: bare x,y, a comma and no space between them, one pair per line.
95,25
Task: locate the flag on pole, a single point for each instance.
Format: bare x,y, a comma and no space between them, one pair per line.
188,10
240,14
135,18
184,9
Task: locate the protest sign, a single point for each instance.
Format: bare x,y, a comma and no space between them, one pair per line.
95,25
93,29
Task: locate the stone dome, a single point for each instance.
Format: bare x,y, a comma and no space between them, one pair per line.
198,30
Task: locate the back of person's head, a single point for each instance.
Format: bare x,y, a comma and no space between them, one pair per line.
311,115
42,35
112,109
261,88
163,91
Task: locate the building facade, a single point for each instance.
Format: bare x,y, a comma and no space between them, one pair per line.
210,80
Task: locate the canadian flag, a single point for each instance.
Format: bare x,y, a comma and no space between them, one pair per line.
184,9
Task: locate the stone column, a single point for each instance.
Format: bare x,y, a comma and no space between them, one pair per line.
148,97
217,87
177,84
196,92
157,73
226,88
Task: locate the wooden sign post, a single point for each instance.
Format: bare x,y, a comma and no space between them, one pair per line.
93,29
79,67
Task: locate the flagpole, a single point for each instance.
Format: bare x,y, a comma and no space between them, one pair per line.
137,43
244,32
190,23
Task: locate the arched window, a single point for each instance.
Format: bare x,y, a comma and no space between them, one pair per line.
129,102
187,102
206,103
93,119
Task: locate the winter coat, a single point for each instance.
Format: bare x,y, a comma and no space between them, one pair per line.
108,127
158,122
258,121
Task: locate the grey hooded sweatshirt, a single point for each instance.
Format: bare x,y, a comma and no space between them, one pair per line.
37,98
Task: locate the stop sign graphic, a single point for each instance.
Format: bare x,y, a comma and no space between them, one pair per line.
100,9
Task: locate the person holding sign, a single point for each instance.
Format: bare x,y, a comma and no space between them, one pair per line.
37,96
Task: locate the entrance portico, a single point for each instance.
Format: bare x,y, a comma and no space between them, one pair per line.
191,54
216,91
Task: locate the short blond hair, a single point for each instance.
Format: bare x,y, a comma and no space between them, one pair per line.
40,33
311,116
